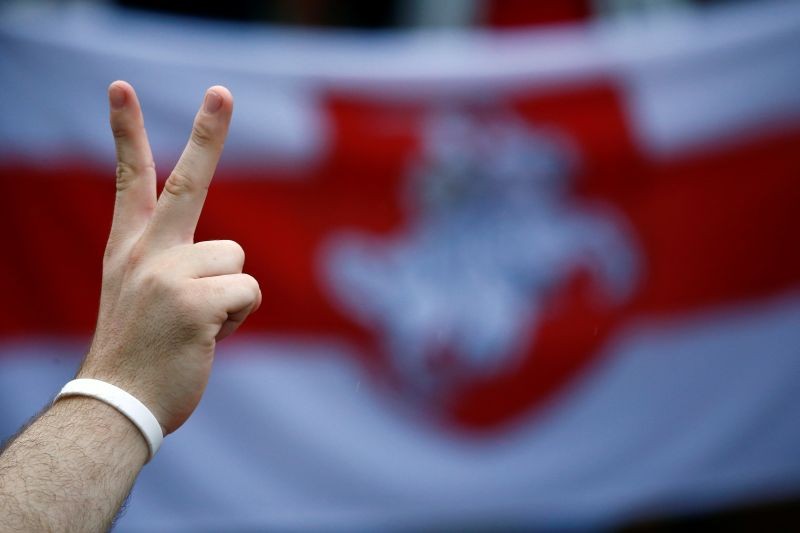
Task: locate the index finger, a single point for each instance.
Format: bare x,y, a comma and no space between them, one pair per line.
181,201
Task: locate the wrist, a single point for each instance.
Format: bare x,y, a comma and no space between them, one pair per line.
98,429
124,403
131,381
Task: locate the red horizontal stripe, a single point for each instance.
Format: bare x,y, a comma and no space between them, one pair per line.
712,229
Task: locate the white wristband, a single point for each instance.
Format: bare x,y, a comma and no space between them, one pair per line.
125,403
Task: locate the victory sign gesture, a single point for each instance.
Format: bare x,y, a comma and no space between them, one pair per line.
165,299
164,304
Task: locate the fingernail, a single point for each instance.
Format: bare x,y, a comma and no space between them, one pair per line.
212,102
116,96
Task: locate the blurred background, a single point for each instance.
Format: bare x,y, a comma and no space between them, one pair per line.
526,264
400,13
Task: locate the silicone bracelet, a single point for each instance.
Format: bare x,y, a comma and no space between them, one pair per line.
123,402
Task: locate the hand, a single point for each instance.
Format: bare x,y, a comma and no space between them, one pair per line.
166,301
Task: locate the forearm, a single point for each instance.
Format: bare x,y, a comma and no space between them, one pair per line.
71,469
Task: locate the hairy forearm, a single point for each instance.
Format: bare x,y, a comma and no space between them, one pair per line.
70,470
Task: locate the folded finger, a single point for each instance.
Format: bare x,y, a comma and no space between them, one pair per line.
211,258
236,319
232,296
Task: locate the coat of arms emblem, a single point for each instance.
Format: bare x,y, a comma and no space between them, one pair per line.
494,233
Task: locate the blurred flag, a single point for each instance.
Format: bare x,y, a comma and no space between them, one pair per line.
535,278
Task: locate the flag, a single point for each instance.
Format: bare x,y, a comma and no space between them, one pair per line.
511,278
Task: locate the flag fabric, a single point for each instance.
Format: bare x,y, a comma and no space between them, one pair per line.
547,277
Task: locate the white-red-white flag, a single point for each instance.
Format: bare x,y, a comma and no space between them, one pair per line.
528,278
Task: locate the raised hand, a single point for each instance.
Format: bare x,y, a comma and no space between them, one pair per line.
165,299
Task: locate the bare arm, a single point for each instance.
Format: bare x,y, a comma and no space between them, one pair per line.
165,303
70,470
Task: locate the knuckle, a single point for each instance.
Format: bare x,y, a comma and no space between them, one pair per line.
179,183
152,280
211,297
251,283
119,131
125,175
217,292
156,277
202,135
235,249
